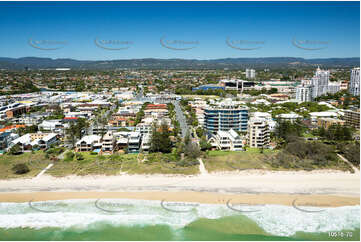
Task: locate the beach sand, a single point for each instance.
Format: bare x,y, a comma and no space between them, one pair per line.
316,188
295,182
193,197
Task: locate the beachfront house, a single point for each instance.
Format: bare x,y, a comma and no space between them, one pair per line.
88,143
227,140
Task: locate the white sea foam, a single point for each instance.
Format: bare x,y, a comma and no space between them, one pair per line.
275,219
286,221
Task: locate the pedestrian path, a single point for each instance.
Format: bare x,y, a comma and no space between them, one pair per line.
357,171
202,168
43,171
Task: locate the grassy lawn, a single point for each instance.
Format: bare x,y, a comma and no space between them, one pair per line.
237,160
158,163
253,159
35,161
154,163
91,165
308,135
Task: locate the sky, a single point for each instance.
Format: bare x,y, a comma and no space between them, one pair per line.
187,30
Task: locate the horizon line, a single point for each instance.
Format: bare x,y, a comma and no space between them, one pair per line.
144,58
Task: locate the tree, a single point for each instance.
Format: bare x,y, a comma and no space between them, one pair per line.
76,131
336,132
272,90
192,151
28,129
286,129
16,149
160,141
187,138
70,132
200,132
80,126
203,143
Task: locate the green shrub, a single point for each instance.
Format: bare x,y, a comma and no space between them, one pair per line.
69,156
20,169
15,150
79,156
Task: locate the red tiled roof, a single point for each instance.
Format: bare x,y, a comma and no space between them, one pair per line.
156,106
12,127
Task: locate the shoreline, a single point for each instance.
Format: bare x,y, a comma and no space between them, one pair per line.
311,200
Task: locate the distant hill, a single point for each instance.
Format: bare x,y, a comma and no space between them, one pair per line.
150,63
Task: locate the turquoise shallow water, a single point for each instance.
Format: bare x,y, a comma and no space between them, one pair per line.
120,219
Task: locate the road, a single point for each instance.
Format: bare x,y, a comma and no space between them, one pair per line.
179,113
181,118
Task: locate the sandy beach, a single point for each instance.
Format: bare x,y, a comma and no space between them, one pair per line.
193,197
325,188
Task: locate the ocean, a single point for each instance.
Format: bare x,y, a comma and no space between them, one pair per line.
127,219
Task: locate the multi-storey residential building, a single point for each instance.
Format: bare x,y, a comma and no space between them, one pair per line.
51,125
268,118
320,83
4,140
30,140
134,142
227,140
144,128
334,87
225,116
327,122
250,73
314,116
108,142
304,93
88,143
146,139
290,117
354,87
352,118
17,111
258,133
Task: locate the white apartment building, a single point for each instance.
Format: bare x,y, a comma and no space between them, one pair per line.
134,142
146,139
258,133
290,117
327,114
354,87
144,128
304,93
268,118
42,140
226,140
88,143
108,142
54,125
250,73
320,83
333,87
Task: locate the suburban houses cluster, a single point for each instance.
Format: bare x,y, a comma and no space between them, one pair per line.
123,118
